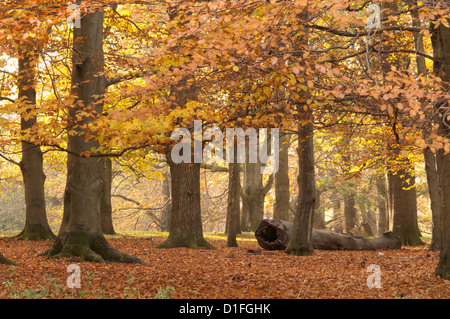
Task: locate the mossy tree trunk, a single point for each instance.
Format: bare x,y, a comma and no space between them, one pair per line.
31,165
81,233
300,241
441,51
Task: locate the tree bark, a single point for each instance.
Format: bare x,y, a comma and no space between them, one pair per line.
186,228
166,212
429,157
106,206
300,241
275,234
405,208
81,233
350,213
382,204
31,165
6,261
233,201
253,193
435,198
282,196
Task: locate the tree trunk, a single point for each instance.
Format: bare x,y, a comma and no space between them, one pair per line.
81,232
382,204
106,206
186,228
390,180
300,241
441,51
233,201
254,192
350,213
405,208
6,261
282,196
318,214
31,165
443,165
368,221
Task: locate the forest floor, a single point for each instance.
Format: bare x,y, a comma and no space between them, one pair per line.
223,273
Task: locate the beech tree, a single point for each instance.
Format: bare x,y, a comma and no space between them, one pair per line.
26,43
81,233
441,50
31,165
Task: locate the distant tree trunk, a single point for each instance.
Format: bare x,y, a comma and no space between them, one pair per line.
106,206
186,228
166,212
435,198
81,233
405,208
233,201
429,157
245,216
31,165
337,215
282,196
350,213
441,51
382,204
300,241
443,165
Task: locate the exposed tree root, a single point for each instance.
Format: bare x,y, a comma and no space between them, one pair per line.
6,261
84,247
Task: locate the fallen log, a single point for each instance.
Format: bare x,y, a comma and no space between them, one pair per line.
273,234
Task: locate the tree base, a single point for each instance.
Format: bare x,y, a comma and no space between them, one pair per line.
36,232
6,261
299,251
188,242
85,247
